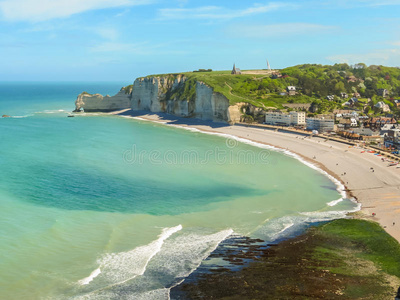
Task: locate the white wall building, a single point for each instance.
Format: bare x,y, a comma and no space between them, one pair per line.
298,117
278,118
321,125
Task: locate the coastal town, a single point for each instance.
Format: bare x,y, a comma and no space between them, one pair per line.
370,122
349,125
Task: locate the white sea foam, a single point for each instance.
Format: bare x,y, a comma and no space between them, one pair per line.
179,256
287,226
120,267
274,229
157,294
20,117
92,276
183,254
335,202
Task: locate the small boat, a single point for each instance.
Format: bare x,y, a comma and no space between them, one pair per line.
392,164
362,151
70,116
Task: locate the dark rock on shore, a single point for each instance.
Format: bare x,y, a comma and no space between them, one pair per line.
323,263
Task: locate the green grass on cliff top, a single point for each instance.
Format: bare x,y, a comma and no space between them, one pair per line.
250,88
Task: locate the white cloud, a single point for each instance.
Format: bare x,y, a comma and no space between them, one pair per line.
218,12
388,57
42,10
278,30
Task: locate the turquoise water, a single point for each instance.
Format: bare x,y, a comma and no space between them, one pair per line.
105,207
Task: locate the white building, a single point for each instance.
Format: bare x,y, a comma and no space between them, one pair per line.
278,118
321,125
291,90
298,117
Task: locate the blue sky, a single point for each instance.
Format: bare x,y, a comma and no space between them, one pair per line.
119,40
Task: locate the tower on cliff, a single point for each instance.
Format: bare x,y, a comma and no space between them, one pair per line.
236,71
268,66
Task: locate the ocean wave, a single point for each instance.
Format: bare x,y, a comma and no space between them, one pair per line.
287,226
90,278
117,268
162,268
335,202
184,254
20,117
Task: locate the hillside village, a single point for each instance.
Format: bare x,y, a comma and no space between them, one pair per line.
357,102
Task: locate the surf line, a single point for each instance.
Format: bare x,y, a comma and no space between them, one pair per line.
166,233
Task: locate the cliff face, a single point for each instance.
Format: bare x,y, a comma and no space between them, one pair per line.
99,103
173,94
155,94
180,97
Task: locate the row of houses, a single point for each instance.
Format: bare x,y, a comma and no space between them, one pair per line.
298,118
341,121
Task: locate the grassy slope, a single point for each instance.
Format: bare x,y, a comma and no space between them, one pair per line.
232,87
313,82
343,259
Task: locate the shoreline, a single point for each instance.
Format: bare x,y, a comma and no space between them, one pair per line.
328,260
363,176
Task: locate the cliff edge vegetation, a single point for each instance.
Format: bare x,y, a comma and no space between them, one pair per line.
326,87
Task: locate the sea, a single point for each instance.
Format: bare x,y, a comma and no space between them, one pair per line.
100,206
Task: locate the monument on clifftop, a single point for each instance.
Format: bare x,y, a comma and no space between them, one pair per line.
236,71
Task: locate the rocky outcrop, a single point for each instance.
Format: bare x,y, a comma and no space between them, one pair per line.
180,96
173,94
99,103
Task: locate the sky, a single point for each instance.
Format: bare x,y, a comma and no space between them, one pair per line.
120,40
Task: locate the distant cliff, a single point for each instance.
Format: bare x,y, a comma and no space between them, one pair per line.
99,103
173,94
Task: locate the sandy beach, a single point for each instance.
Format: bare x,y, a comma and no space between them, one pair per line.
374,183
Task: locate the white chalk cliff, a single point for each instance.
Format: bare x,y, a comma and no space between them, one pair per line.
173,94
99,103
